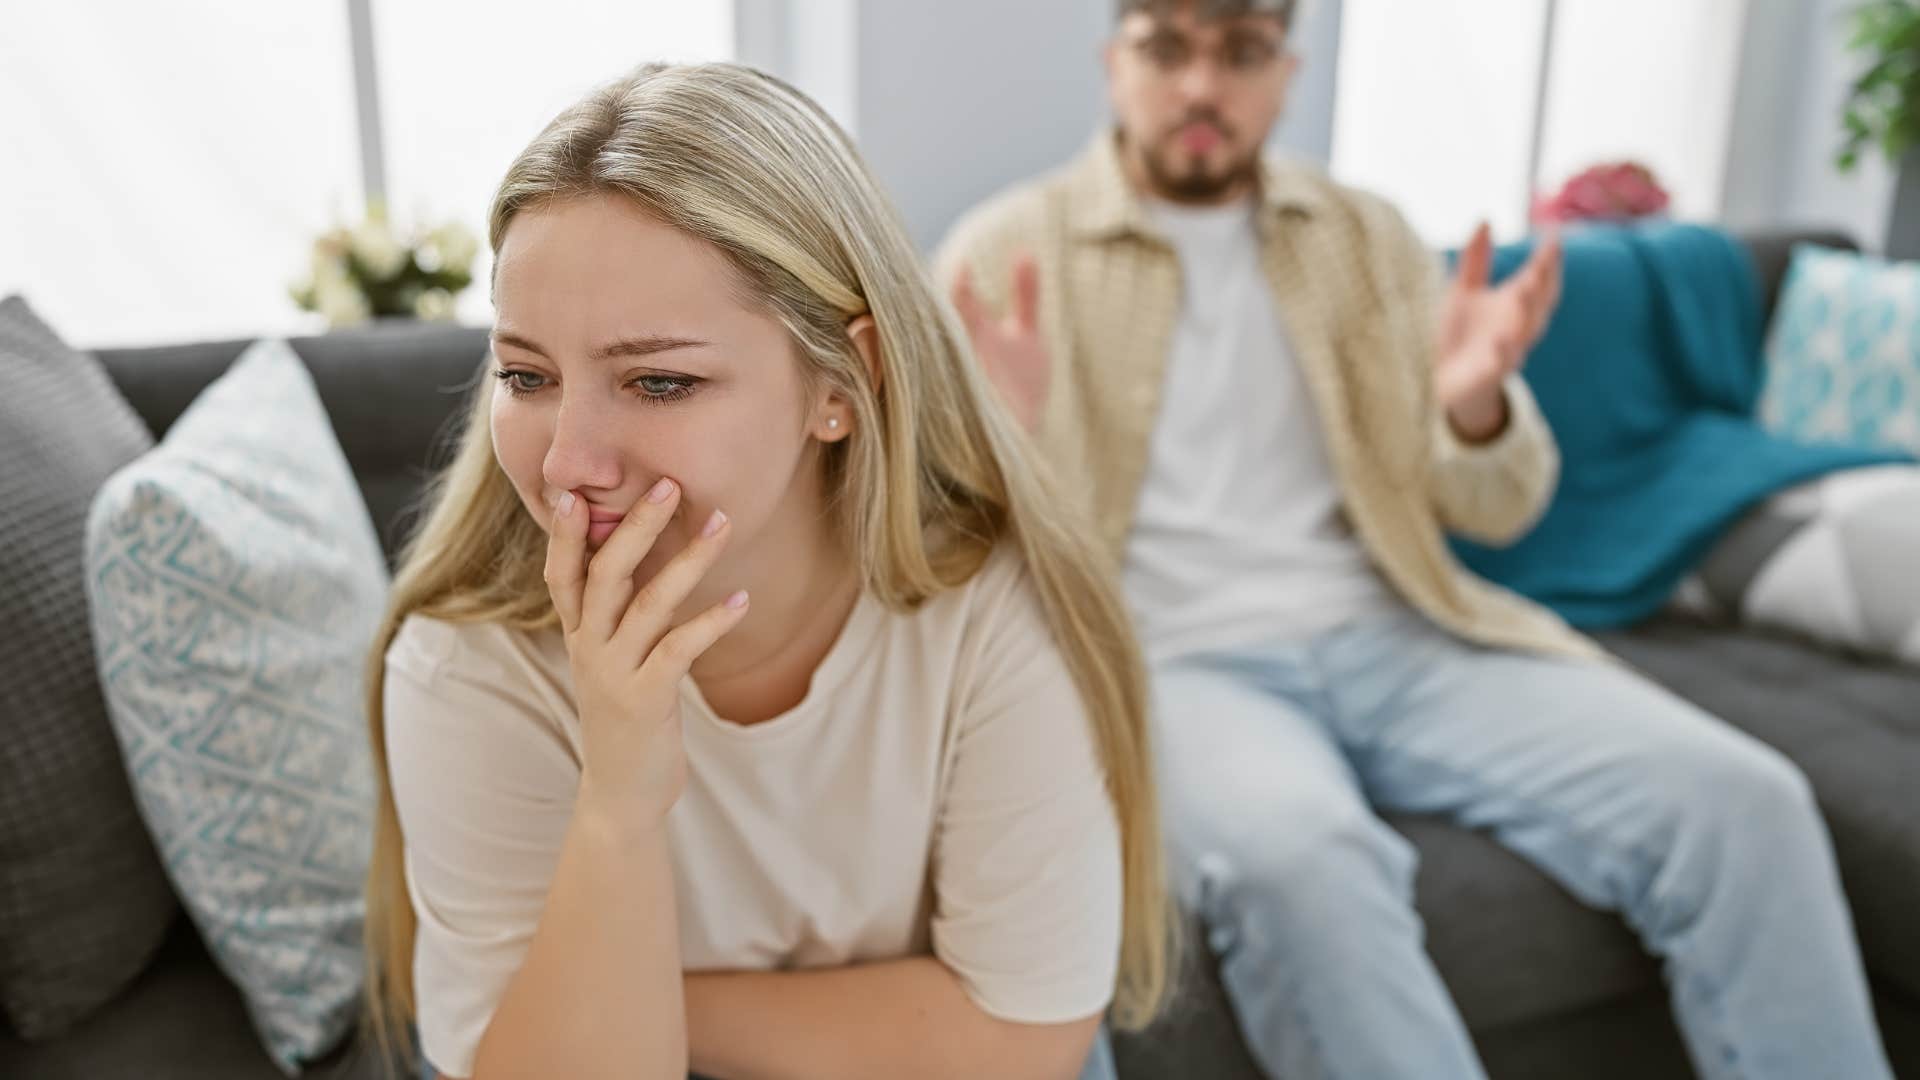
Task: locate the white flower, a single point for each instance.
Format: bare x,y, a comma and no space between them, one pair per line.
434,304
455,244
340,301
328,265
378,251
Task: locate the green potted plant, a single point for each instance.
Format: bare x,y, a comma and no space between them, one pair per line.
1882,109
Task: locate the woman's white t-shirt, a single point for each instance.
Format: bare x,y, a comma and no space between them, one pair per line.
938,790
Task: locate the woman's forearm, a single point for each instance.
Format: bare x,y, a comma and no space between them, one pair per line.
883,1021
599,994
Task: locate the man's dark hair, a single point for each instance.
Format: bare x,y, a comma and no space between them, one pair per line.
1214,9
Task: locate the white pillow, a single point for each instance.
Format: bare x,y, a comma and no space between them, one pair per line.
236,583
1832,559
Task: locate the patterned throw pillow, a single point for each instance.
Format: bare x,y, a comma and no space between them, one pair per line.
83,902
236,584
1843,355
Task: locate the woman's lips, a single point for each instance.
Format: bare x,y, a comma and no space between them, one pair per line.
601,523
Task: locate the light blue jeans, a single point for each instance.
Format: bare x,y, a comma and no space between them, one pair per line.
1706,842
1100,1062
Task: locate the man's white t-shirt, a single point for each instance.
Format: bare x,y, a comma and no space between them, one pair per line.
938,791
1239,536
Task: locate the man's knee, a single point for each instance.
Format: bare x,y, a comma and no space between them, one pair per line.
1737,814
1764,799
1738,789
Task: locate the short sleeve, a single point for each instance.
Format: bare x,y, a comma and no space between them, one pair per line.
484,782
1027,869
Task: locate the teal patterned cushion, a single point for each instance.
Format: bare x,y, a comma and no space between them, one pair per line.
236,583
1843,356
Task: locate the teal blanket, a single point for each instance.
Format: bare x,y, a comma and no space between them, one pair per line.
1648,375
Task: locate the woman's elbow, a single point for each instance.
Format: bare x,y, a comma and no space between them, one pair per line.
1047,1051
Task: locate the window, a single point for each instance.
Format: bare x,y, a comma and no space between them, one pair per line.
464,85
1439,105
1434,108
171,163
1649,80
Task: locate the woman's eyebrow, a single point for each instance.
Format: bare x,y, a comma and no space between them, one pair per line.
641,345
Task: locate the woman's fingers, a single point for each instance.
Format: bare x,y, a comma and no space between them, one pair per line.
566,558
610,572
674,656
647,618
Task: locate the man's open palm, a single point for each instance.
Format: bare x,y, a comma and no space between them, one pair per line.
1010,349
1487,330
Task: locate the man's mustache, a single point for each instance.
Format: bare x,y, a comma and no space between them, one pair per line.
1201,116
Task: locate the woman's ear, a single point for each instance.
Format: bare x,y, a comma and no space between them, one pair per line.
866,341
833,418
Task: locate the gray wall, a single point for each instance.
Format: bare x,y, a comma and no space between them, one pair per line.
953,101
1793,77
957,100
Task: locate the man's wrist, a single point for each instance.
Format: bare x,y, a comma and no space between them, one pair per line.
1482,420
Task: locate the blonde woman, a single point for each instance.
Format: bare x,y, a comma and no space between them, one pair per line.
746,705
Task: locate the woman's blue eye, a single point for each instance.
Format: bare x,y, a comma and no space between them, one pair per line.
520,383
653,389
663,388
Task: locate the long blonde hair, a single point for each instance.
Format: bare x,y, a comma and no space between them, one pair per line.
937,476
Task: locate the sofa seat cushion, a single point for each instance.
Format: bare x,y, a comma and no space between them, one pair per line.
181,1020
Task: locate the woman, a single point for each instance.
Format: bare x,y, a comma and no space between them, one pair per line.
746,703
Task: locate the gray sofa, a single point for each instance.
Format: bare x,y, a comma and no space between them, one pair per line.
1549,988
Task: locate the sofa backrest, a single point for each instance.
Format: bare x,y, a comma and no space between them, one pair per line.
1772,251
394,393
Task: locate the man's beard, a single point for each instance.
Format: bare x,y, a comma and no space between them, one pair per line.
1197,185
1178,180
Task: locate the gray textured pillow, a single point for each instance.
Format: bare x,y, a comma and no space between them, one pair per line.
83,900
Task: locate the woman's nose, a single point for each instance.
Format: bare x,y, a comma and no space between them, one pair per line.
582,453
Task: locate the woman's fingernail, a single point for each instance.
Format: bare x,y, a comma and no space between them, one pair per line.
713,525
661,489
564,504
737,600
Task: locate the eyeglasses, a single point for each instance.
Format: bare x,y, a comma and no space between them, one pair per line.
1243,55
